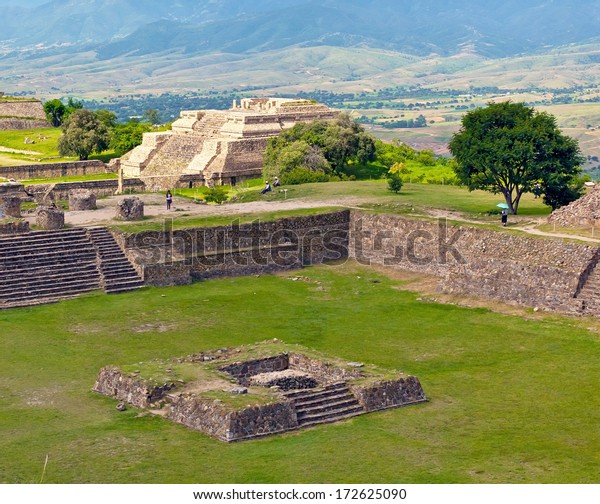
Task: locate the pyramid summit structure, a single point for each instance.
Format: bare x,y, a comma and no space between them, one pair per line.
213,147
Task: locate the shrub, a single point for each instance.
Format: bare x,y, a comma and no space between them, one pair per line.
303,176
394,183
216,195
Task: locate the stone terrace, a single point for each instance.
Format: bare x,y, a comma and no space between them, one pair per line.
246,392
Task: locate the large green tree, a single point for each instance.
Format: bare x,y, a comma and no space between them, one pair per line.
83,134
55,112
508,148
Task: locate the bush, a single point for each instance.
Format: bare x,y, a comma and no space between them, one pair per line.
303,176
394,183
216,195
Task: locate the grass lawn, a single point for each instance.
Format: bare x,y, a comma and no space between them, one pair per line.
185,220
44,150
444,197
510,399
73,178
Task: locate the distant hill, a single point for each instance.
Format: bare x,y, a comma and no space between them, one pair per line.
69,46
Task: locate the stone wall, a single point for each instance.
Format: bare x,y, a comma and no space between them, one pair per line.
263,413
53,170
213,418
262,420
324,372
243,371
205,415
22,124
177,257
389,394
23,109
113,383
531,271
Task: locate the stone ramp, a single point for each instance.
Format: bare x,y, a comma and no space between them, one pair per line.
324,405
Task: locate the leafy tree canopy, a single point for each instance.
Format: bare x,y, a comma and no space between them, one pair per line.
125,137
83,134
321,147
55,111
508,148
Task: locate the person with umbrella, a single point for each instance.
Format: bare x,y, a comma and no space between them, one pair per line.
504,207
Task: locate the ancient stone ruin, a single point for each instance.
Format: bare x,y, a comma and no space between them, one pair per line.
208,147
50,217
130,209
582,212
10,206
267,388
20,113
82,199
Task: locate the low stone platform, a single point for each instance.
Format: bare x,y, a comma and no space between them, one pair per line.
285,387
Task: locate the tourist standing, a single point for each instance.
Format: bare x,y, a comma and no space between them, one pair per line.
169,199
504,216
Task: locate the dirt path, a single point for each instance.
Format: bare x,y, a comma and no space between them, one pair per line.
154,206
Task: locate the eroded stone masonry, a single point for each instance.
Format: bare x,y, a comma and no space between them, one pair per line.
266,388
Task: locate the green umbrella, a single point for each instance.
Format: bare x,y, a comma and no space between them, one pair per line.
502,205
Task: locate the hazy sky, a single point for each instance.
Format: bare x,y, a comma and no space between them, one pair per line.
22,3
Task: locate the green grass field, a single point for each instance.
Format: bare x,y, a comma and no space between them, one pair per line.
510,399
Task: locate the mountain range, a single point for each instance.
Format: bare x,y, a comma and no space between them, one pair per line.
128,44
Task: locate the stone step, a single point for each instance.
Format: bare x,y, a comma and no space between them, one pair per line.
35,239
55,290
83,270
47,270
298,394
34,235
39,266
339,403
27,250
311,402
47,251
119,272
330,419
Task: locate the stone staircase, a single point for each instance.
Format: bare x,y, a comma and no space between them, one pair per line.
174,156
49,266
210,124
588,298
46,266
210,150
324,405
116,272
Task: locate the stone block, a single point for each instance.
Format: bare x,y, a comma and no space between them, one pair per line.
50,217
82,199
10,206
130,209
